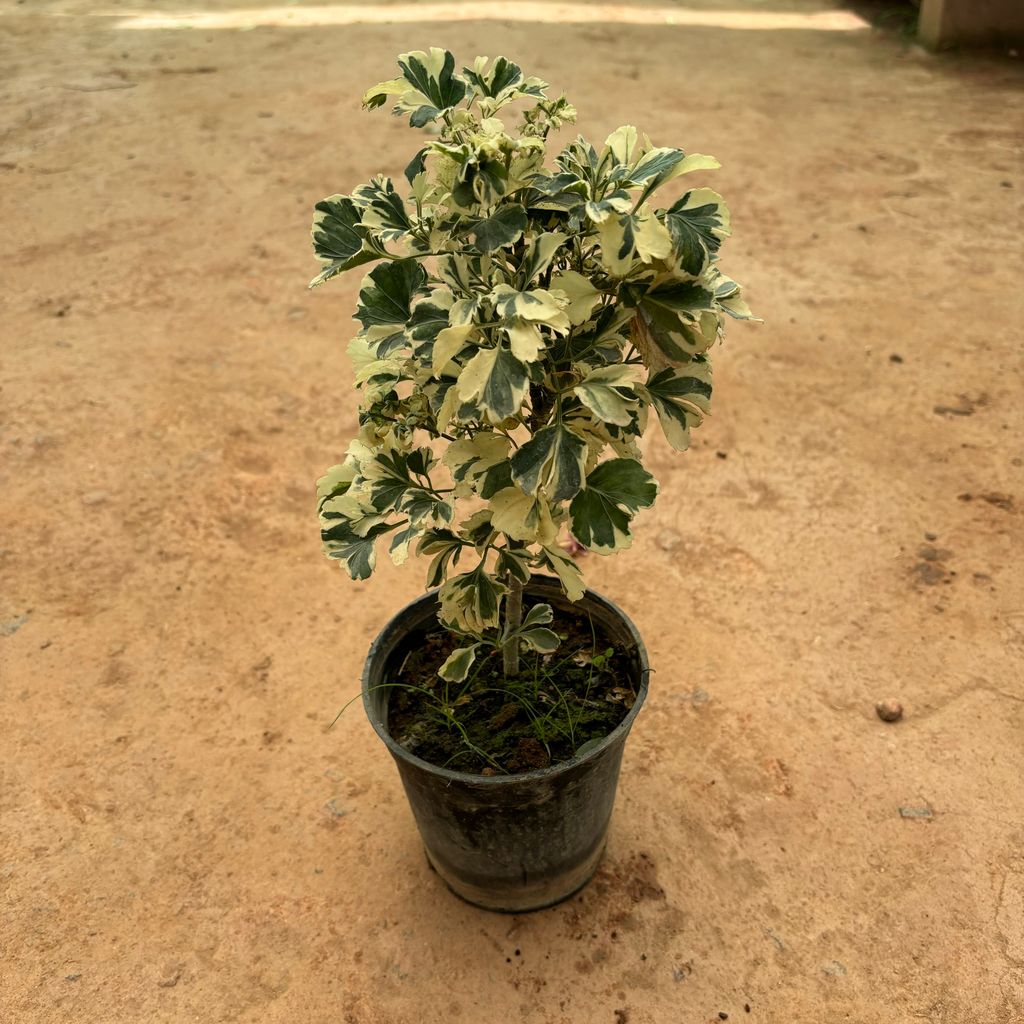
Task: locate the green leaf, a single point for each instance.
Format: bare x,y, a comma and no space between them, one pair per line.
496,381
552,460
459,662
681,397
338,238
697,222
602,511
505,226
387,293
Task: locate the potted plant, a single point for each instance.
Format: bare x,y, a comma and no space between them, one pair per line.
521,324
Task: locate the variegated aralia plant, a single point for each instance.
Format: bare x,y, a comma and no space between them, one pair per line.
520,324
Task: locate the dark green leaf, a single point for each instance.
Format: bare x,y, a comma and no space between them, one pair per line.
602,511
389,294
504,227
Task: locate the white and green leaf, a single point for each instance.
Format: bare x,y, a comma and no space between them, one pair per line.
552,461
608,392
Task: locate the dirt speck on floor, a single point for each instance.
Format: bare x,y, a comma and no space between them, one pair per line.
183,838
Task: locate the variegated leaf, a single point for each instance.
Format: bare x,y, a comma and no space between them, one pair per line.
536,304
427,88
697,222
496,381
582,295
607,392
602,511
565,568
449,343
457,665
552,461
383,210
470,601
681,398
339,239
387,293
523,517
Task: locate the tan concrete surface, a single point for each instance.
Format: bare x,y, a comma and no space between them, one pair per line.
181,838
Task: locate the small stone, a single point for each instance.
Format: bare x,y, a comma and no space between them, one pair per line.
11,626
889,710
721,455
171,978
95,497
925,813
931,536
334,808
668,540
722,1015
895,358
71,977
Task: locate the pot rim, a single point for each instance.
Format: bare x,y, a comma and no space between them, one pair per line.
538,774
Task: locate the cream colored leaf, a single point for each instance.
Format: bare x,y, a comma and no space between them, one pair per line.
522,516
622,142
449,343
526,340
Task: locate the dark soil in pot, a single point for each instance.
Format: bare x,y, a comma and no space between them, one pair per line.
556,707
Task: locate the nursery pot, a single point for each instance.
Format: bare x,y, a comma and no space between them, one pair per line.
510,842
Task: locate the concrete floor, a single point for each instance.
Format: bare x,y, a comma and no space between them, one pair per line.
182,838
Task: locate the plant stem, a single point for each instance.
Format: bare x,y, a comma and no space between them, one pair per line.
513,620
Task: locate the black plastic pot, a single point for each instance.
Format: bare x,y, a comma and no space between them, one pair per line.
510,842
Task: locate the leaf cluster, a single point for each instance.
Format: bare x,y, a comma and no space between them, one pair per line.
521,323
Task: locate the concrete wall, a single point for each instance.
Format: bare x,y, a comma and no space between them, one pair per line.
970,22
